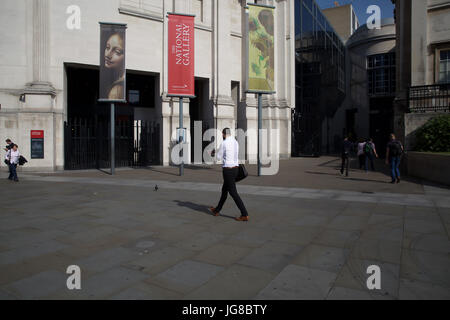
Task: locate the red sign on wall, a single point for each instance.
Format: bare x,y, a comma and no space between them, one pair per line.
37,134
181,55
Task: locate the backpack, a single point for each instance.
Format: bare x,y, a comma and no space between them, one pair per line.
368,148
395,149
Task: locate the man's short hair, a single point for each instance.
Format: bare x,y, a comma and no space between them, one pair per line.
8,140
226,131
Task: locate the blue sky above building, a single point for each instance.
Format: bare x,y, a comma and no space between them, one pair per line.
387,8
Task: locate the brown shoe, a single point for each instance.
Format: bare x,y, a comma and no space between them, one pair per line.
214,212
242,218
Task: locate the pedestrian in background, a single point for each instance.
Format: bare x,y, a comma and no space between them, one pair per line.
345,155
13,157
394,152
370,152
361,155
9,145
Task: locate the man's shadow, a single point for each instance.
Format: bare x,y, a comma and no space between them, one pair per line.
198,208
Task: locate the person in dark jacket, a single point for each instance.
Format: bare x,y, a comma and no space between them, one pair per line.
346,149
13,157
394,153
9,146
370,152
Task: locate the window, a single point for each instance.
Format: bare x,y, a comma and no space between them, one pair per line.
144,7
307,23
198,10
133,97
381,74
444,66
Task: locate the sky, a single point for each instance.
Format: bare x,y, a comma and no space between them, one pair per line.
387,8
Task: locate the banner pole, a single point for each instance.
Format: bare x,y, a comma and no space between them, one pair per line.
181,138
259,132
113,148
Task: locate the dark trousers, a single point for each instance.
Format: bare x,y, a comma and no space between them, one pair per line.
345,164
362,160
395,171
369,158
13,172
229,186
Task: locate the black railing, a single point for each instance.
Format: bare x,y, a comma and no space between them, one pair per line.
87,144
432,98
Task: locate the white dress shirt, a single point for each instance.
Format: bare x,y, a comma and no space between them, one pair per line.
361,148
13,156
229,153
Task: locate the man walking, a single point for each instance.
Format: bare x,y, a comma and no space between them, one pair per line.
228,153
361,155
346,148
13,156
370,151
394,153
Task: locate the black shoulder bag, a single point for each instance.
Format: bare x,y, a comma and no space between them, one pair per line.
242,174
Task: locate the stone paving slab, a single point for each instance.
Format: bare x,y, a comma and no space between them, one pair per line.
103,285
417,290
272,256
308,173
145,291
238,282
297,282
354,276
426,267
37,286
135,243
340,195
324,258
340,293
186,276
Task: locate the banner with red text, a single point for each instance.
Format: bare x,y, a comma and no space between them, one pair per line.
181,56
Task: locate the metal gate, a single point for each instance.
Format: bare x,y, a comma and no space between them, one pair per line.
87,144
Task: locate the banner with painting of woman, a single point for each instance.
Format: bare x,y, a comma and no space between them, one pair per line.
112,62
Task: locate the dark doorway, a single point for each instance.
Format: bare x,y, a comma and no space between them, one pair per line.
201,109
350,124
87,129
240,115
381,122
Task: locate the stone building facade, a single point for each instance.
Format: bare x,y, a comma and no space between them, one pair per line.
423,71
40,53
367,110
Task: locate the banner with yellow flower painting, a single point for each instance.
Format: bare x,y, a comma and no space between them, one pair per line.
261,53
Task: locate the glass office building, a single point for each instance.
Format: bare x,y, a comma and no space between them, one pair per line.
320,79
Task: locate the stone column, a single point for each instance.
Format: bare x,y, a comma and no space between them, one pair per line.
41,50
221,78
37,107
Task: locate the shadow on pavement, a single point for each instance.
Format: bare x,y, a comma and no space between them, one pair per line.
366,180
199,208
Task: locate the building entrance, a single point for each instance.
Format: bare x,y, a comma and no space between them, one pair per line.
201,109
87,128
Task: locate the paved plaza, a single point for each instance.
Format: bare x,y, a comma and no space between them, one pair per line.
311,235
